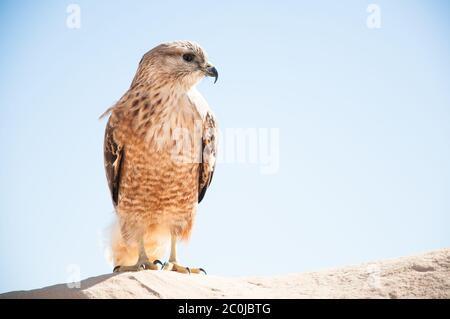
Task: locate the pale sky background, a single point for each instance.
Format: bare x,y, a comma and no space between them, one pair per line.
363,116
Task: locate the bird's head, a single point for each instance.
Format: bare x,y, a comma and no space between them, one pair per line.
183,63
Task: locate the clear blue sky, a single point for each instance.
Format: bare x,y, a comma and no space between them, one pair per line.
363,116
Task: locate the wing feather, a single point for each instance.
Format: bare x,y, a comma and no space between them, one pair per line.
113,158
209,149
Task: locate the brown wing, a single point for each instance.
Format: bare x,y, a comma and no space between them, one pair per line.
113,158
209,148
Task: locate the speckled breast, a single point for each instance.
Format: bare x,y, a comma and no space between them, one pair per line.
157,187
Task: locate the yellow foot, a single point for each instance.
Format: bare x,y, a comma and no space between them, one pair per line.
144,265
173,266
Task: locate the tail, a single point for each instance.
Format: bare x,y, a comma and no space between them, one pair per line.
125,253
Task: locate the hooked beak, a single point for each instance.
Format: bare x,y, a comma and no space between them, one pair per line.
212,71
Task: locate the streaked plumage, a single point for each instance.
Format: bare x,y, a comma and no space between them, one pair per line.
160,146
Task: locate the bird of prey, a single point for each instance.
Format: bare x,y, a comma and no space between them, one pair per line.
159,155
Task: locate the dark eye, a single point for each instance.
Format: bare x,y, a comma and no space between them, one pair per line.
188,57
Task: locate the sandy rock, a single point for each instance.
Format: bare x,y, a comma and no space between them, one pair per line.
422,276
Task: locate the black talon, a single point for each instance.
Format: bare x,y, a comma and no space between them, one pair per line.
203,270
116,269
189,271
157,261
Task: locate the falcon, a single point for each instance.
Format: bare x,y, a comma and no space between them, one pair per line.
159,154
